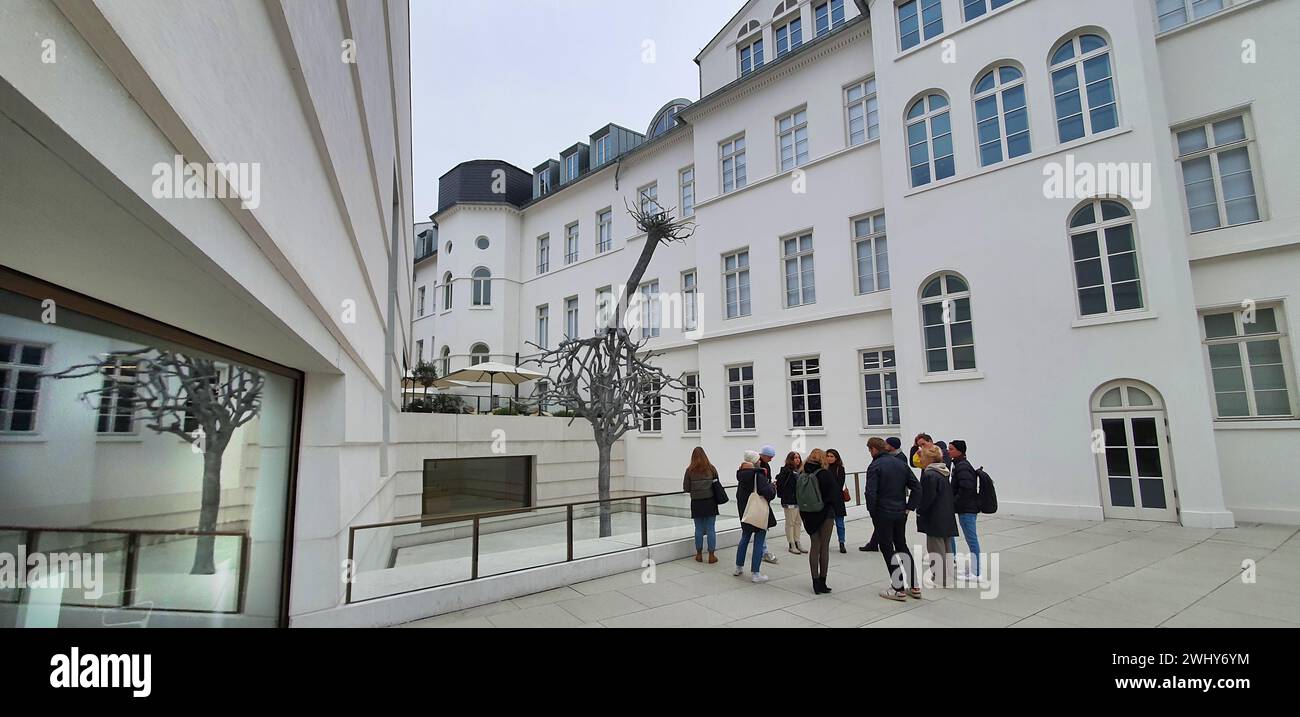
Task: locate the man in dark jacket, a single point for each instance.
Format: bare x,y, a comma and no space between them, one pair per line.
966,503
892,492
895,450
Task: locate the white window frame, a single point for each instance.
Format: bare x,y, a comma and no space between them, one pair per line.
787,24
927,118
651,419
732,151
691,404
831,23
947,296
604,230
986,7
481,287
885,361
686,190
798,370
478,357
9,389
754,46
1099,226
648,198
1241,339
869,104
1187,8
795,133
602,149
803,259
606,313
571,326
544,325
419,301
447,291
571,166
690,299
1075,63
921,34
543,254
419,350
1212,152
111,399
998,93
739,384
649,292
741,272
874,236
571,243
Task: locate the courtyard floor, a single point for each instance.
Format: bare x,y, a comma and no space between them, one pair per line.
1051,573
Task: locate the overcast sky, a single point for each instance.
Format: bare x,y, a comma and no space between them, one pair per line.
520,80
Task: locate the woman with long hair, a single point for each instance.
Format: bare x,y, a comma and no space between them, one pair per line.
751,480
820,524
701,481
835,465
785,485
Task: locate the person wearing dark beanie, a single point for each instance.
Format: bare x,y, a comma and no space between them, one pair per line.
966,504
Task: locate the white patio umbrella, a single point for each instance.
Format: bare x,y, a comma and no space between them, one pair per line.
489,371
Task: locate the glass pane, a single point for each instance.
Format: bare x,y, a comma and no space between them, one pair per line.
1232,404
1111,399
936,360
1113,430
1121,491
1138,397
1192,140
1229,130
1144,429
1224,356
1272,403
1113,210
956,284
624,519
963,358
1127,295
1148,461
1153,493
1264,352
1219,325
1092,301
1265,322
1084,216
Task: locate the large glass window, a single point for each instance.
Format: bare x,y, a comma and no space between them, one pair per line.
740,397
800,281
732,158
1176,13
972,9
1001,118
735,282
792,138
1106,270
789,36
871,252
1083,61
482,287
862,111
929,140
946,322
1217,178
155,474
828,16
918,20
458,486
880,388
804,377
1250,363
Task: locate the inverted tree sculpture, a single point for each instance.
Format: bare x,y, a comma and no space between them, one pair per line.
164,388
607,378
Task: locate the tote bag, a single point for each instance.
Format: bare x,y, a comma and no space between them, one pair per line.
756,509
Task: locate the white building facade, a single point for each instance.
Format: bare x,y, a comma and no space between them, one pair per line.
1058,231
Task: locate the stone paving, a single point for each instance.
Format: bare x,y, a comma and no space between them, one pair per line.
1052,573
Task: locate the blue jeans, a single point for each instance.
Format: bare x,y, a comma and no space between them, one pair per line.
705,526
839,526
967,521
760,545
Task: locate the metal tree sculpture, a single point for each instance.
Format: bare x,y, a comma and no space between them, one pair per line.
607,378
168,390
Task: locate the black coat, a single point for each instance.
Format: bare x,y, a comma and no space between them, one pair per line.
965,487
702,505
746,479
891,488
838,508
828,484
899,455
934,515
785,482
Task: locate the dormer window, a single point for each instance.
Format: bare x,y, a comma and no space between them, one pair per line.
751,56
604,150
571,167
789,36
828,16
543,182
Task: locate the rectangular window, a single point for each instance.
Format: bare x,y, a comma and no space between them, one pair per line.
691,399
828,16
690,304
750,57
651,408
117,400
419,301
419,350
740,397
1249,362
872,253
732,157
571,167
606,308
543,182
862,111
603,153
735,282
789,36
461,485
1176,13
686,180
543,325
571,317
571,243
972,9
804,378
21,366
880,389
605,225
1218,182
918,20
648,196
543,254
792,139
797,260
650,309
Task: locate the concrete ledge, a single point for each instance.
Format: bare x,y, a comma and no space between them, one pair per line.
1051,510
1208,519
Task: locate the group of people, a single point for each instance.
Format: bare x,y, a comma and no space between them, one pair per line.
943,497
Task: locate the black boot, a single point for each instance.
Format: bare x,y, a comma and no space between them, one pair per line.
819,586
869,547
825,588
842,550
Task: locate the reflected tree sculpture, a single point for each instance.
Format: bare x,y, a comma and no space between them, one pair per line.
608,379
198,399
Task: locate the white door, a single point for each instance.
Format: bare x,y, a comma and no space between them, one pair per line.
1133,457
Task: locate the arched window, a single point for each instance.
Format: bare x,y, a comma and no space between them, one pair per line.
929,140
478,353
1083,61
1106,275
946,322
482,287
1001,118
446,360
446,291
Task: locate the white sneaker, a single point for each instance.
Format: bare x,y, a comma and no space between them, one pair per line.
968,577
737,571
769,558
759,578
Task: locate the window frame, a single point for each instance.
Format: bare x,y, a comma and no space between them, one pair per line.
572,243
651,415
1212,152
739,163
419,302
740,384
945,295
882,370
571,326
480,287
1075,62
647,197
690,299
9,389
447,295
807,394
998,94
793,133
1188,10
792,21
754,46
1098,226
683,183
831,23
864,102
650,308
927,118
543,254
604,230
921,36
691,395
543,325
1241,339
799,255
987,8
878,231
738,271
113,398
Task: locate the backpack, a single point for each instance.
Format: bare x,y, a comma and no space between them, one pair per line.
808,493
988,497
